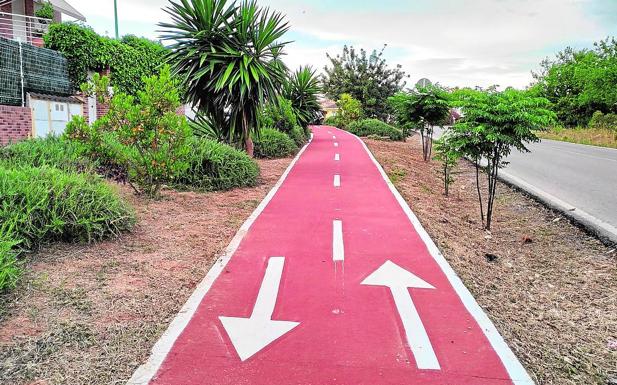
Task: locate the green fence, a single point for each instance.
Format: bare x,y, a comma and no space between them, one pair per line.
25,68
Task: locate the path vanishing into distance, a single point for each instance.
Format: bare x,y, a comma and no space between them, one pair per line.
332,280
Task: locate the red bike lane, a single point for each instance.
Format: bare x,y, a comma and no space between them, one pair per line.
334,282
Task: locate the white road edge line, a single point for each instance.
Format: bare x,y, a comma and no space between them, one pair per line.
338,248
144,374
515,369
337,181
337,157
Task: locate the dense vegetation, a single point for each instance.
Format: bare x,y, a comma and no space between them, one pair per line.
129,60
581,82
375,128
367,78
273,144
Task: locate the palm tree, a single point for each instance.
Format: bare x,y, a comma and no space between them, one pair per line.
301,88
228,56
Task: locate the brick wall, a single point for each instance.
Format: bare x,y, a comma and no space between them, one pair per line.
15,124
6,28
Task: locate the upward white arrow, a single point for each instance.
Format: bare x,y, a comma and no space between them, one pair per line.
250,335
399,280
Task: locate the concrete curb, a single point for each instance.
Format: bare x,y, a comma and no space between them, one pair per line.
604,231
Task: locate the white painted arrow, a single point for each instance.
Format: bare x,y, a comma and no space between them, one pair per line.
250,335
399,280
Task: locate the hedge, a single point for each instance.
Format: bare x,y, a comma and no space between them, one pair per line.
273,144
217,166
55,152
375,127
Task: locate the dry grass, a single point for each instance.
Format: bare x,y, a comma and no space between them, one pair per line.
90,314
589,136
550,288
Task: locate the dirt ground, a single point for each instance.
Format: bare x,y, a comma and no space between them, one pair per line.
89,314
550,288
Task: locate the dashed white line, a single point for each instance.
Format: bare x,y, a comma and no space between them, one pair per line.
337,181
338,248
337,157
333,136
335,144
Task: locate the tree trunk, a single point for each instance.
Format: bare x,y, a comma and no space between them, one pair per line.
250,148
477,164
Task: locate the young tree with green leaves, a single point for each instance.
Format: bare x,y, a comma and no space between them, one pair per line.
448,154
227,54
424,108
367,78
349,110
493,124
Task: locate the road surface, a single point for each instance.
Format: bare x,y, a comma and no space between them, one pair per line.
332,281
582,177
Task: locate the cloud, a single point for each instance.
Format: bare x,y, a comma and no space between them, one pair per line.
454,42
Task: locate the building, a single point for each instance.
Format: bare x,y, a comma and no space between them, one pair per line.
329,107
36,96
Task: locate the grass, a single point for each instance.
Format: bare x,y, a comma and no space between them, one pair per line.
589,136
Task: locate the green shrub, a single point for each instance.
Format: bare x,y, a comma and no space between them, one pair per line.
603,121
349,110
217,166
44,204
279,115
51,151
375,127
273,144
46,11
298,135
331,120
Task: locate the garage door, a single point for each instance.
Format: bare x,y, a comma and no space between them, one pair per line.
51,117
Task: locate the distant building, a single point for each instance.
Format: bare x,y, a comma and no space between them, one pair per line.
329,107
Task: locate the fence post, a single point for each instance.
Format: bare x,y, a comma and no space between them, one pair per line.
21,75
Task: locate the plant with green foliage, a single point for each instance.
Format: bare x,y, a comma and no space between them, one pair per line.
43,204
298,135
580,82
216,166
46,11
422,107
603,121
448,154
331,120
228,57
376,128
367,78
129,60
52,151
349,110
279,114
301,88
493,124
274,144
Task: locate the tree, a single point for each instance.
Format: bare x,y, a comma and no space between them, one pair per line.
301,88
228,57
424,108
367,78
493,124
349,110
448,154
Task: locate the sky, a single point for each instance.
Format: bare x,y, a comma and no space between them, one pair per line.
452,42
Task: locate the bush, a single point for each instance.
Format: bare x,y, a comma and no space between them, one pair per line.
298,136
279,115
273,144
216,166
349,110
603,121
331,120
52,151
46,11
375,127
41,205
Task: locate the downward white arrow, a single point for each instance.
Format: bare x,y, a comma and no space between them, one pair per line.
399,280
250,335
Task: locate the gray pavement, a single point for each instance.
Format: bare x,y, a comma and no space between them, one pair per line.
577,179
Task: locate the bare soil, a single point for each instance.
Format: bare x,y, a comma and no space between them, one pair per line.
550,288
89,314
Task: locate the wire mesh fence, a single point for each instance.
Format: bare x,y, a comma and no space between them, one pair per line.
25,68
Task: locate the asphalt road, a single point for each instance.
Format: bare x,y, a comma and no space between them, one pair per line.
584,177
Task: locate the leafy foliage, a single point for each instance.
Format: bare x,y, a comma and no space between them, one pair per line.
52,151
228,57
274,144
43,204
301,88
129,60
279,115
349,110
367,78
493,124
216,166
298,135
447,153
46,11
375,127
603,121
580,82
424,108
